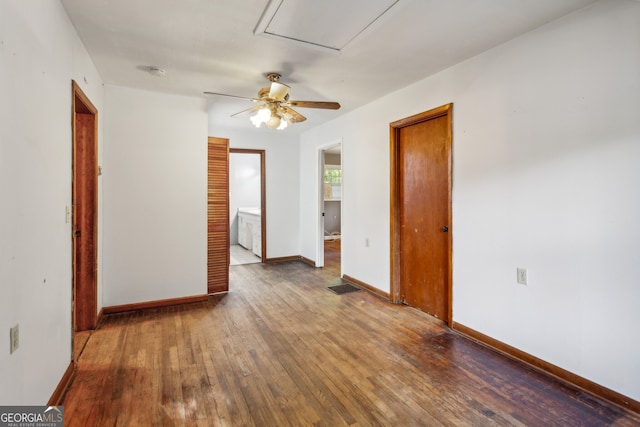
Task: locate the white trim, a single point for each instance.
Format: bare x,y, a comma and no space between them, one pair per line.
320,203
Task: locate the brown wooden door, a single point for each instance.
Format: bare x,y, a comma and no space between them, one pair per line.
218,216
423,211
85,211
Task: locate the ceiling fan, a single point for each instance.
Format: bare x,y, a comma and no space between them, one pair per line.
274,107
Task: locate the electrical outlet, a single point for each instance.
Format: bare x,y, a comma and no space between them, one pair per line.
522,276
14,336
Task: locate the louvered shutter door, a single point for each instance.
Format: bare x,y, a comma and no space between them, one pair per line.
218,216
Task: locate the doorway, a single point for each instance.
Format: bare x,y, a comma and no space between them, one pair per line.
247,213
421,181
84,211
330,224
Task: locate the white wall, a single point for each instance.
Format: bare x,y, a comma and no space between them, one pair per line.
155,193
546,154
40,54
365,192
282,186
244,187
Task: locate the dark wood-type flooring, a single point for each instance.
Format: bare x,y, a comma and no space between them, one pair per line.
280,349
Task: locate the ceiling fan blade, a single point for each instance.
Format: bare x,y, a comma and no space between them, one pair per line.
292,115
278,91
233,96
315,104
248,111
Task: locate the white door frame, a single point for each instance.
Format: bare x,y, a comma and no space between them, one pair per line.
320,203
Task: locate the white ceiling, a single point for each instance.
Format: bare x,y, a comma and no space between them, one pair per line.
328,24
209,45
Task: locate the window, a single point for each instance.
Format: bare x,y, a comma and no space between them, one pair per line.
332,182
332,174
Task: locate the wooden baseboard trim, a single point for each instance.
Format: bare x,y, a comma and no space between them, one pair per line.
283,259
218,289
547,368
63,385
99,319
367,287
154,304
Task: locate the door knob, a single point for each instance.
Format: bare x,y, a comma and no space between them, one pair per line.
445,229
76,233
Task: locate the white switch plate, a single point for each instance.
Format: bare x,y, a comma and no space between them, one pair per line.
522,275
14,336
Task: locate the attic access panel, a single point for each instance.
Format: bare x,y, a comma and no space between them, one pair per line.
326,24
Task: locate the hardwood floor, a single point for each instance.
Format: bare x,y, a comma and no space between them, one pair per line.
332,258
280,349
80,339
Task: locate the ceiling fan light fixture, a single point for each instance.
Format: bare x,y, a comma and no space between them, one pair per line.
278,91
256,120
271,118
283,125
261,116
287,116
264,114
274,122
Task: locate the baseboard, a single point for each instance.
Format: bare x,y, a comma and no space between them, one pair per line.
283,259
65,382
154,304
99,319
308,261
217,288
367,287
547,368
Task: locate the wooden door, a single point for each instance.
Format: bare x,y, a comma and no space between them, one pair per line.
85,211
421,212
218,216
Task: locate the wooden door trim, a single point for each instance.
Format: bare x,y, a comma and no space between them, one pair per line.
263,197
394,137
80,104
85,106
